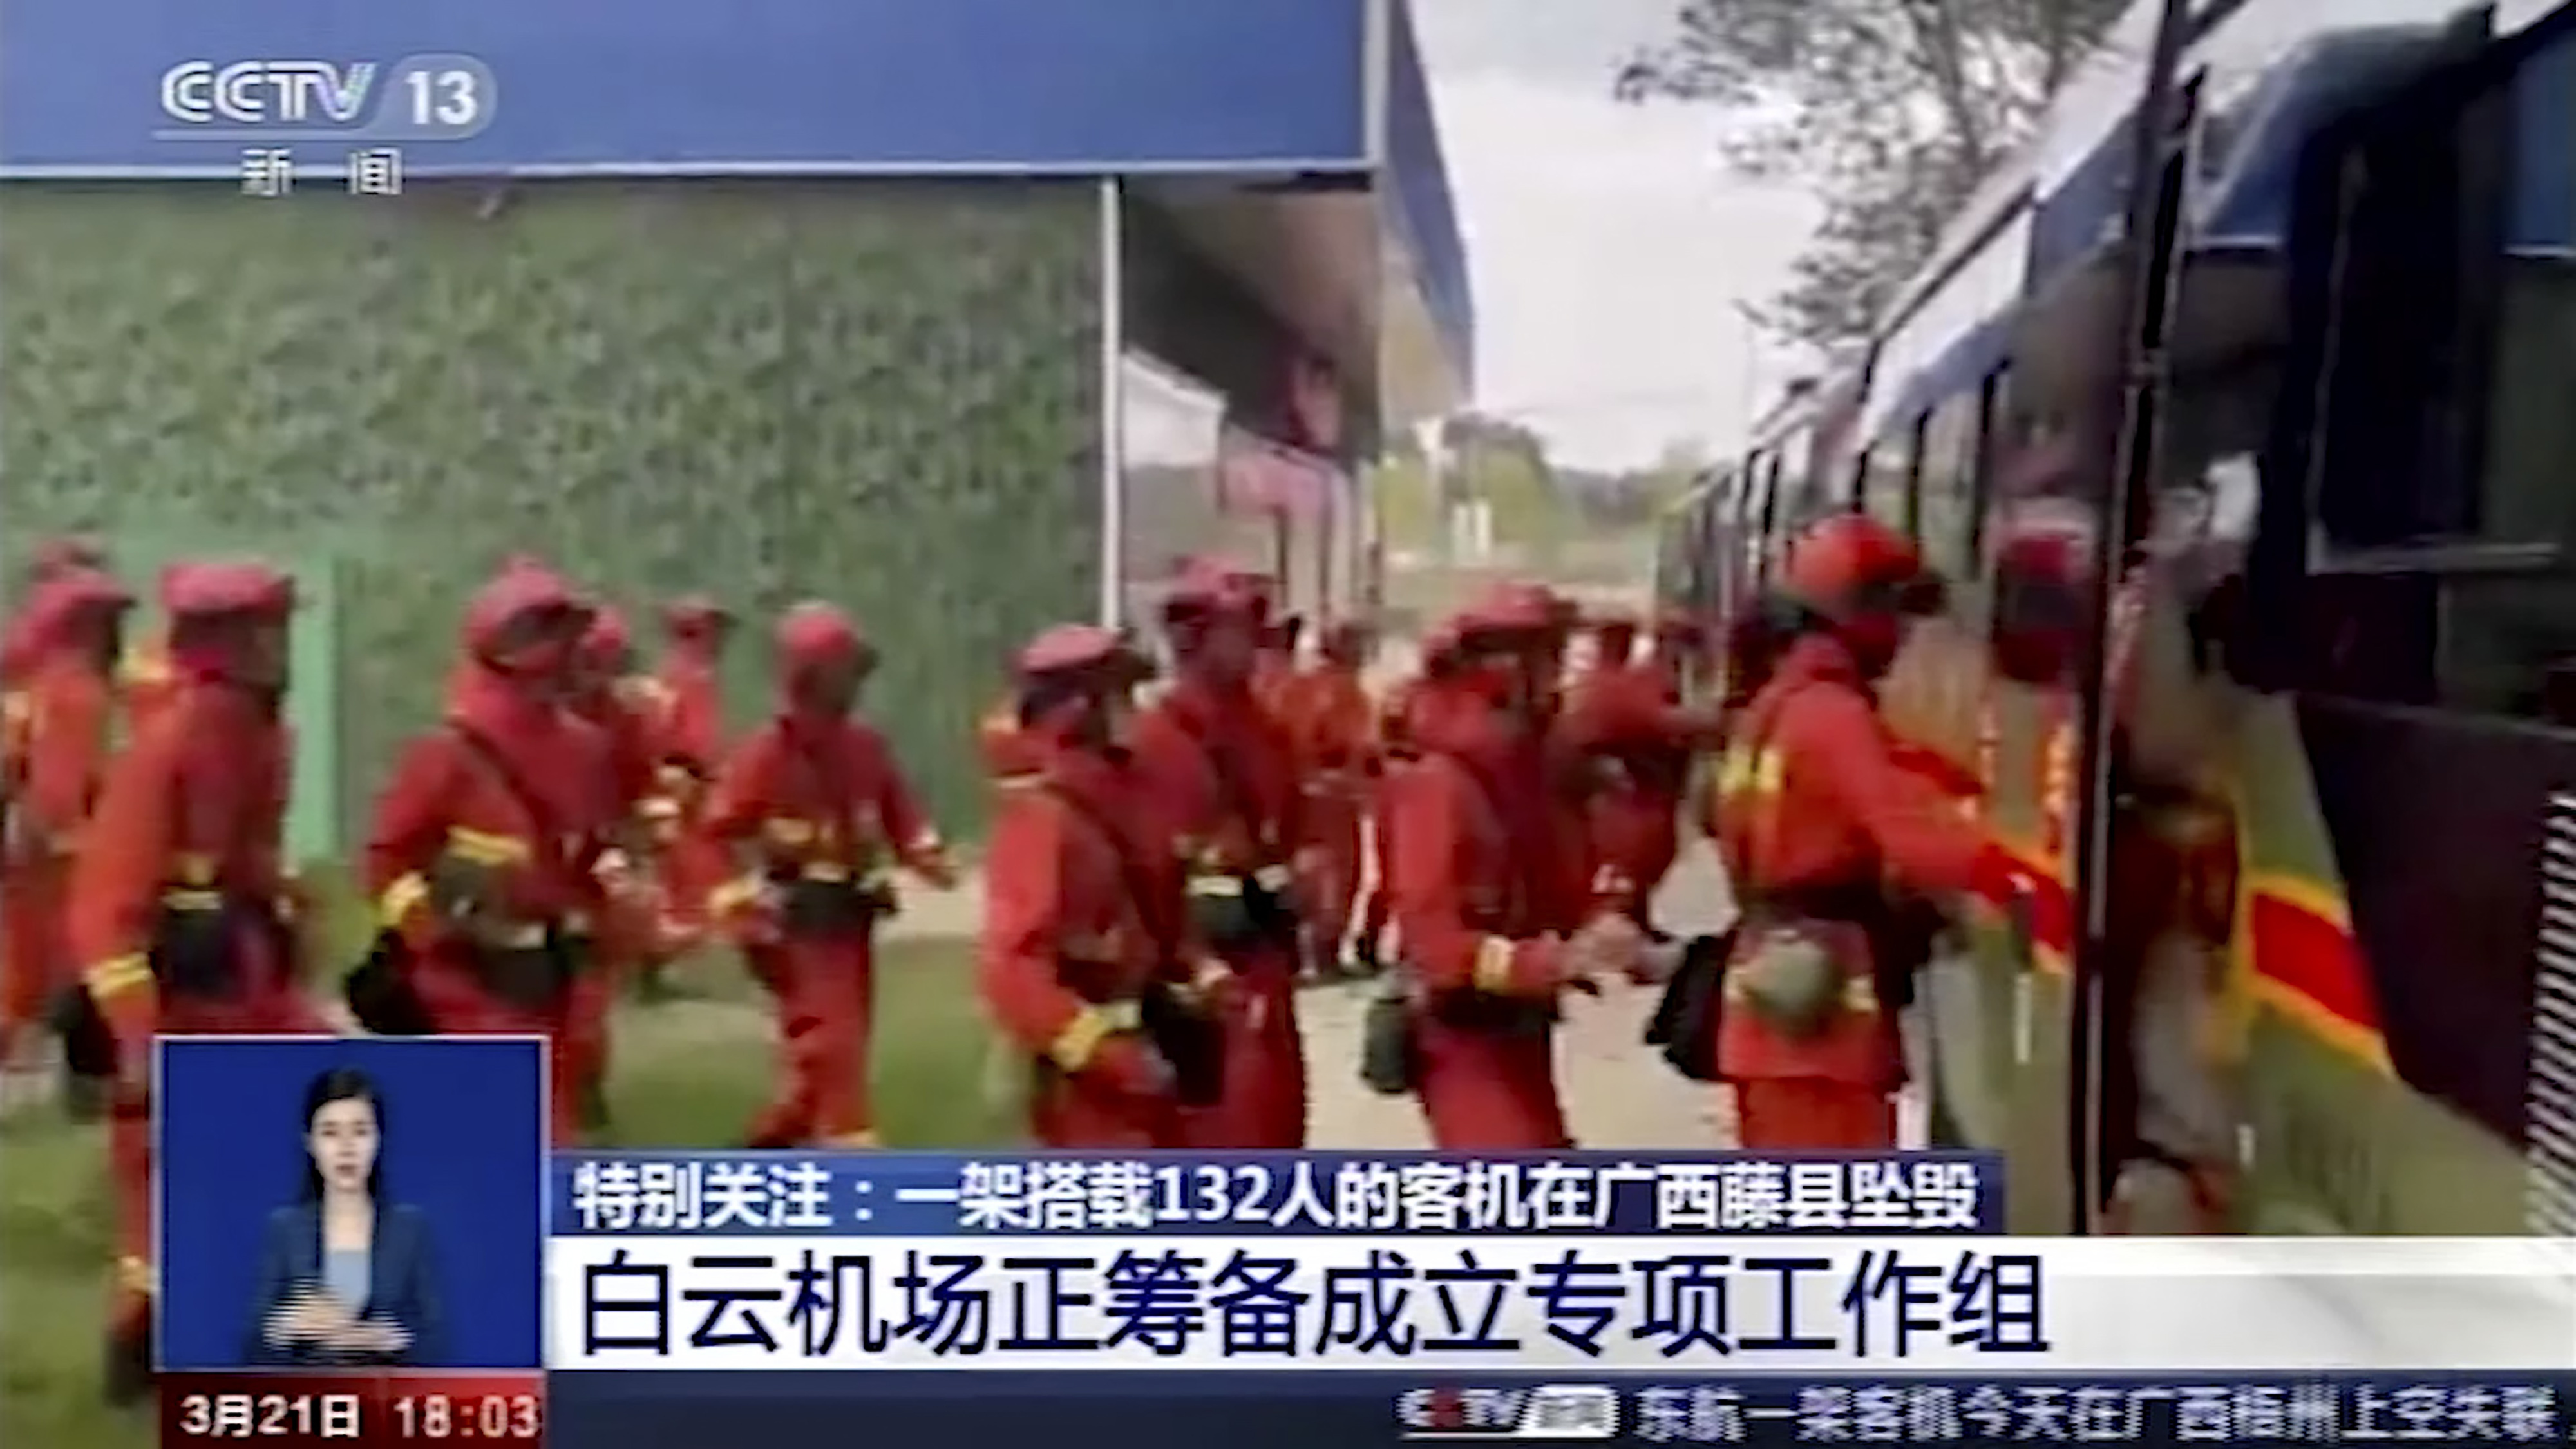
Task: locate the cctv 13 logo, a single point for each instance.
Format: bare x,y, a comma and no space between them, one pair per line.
418,98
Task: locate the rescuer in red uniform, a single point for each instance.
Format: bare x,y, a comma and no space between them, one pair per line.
819,813
1625,720
696,631
491,857
1818,821
179,902
1081,930
1395,751
614,701
53,557
1333,729
53,751
1477,900
1221,777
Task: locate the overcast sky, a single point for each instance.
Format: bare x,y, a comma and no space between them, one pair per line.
1607,246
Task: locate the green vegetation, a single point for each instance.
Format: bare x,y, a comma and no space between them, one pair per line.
688,1074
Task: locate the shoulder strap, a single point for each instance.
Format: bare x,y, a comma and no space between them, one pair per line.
1761,722
1232,792
1141,885
495,766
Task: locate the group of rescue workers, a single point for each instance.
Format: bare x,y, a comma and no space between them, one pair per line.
1163,868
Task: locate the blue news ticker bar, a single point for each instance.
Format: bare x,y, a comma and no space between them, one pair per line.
669,87
1146,1410
917,1194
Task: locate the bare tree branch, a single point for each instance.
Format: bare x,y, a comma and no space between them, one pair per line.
1891,110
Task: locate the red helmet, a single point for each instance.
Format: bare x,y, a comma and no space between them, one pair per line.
695,616
1082,653
1506,616
814,635
206,590
1851,564
525,592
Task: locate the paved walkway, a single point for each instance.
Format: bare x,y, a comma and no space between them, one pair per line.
1618,1092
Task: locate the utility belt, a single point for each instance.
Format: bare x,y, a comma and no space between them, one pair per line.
532,967
830,899
200,939
1236,910
1793,976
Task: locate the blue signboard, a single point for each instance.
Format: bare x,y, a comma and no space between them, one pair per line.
106,88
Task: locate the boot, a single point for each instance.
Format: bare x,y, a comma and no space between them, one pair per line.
594,1106
85,1097
128,1368
653,984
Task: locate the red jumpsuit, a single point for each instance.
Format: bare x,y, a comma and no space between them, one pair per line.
691,700
1477,901
54,727
1075,933
1394,752
626,742
505,794
1635,741
1332,728
822,811
1222,777
1816,805
180,911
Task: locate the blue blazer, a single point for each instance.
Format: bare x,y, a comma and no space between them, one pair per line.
402,1285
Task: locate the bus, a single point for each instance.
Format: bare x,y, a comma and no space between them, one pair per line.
1715,544
2335,987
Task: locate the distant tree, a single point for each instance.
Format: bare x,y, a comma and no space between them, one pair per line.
1891,110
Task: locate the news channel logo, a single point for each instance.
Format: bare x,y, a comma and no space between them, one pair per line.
1563,1413
437,97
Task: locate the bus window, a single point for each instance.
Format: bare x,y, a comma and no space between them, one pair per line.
1887,482
1947,491
2480,462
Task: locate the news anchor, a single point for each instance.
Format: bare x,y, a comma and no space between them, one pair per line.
345,1276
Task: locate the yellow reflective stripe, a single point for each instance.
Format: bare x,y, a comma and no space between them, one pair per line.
1274,877
193,900
117,976
1075,1046
404,896
1744,769
483,847
1494,959
1215,887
